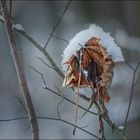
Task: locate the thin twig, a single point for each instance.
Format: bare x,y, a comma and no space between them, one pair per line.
138,76
71,125
131,96
61,101
45,63
49,118
13,119
129,65
19,70
57,23
44,82
70,101
20,102
46,54
60,38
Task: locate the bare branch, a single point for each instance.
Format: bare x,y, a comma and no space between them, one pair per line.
57,23
54,36
131,96
107,119
70,101
56,93
71,125
129,65
19,70
137,80
45,63
13,119
44,82
137,66
20,102
46,54
49,118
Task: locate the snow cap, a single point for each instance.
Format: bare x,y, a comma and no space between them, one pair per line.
83,36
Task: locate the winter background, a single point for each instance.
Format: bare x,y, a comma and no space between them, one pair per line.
120,18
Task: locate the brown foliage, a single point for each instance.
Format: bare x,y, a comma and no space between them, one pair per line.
95,65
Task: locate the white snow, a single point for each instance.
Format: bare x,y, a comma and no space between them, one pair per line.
18,27
121,127
82,37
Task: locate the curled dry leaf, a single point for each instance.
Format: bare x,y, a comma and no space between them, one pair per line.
90,58
96,68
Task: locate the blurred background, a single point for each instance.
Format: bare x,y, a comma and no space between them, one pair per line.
120,18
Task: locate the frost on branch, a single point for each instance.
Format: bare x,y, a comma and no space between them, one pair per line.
18,27
15,26
88,61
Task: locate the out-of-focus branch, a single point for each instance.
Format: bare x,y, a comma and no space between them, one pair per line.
131,95
129,66
137,80
57,23
19,70
21,103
